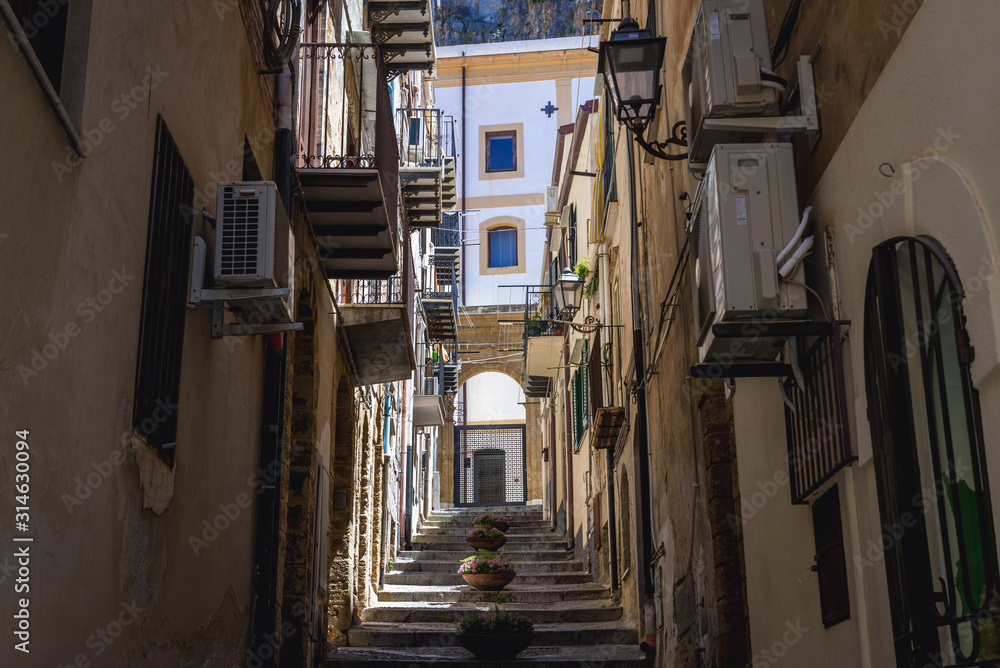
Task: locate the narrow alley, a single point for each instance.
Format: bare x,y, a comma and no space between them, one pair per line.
598,333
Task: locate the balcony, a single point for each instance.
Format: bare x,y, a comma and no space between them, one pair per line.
426,146
436,378
348,166
543,342
405,29
376,327
440,305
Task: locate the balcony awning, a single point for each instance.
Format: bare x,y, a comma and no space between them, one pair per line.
405,29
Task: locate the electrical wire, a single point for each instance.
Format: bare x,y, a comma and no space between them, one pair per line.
826,315
780,48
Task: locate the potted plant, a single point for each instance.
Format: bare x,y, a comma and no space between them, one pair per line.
498,522
486,539
486,571
495,635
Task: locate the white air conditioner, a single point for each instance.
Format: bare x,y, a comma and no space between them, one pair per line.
552,199
745,214
728,52
254,244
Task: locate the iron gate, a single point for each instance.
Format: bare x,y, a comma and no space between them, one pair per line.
489,465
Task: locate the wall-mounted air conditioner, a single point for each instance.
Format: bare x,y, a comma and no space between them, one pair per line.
254,246
552,199
745,228
727,73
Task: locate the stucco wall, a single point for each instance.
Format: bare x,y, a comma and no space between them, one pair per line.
925,118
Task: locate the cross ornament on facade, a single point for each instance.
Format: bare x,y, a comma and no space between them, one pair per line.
549,109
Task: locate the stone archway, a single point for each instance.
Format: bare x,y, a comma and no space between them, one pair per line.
485,352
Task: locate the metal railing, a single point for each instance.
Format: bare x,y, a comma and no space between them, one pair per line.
447,234
419,138
818,428
345,114
374,292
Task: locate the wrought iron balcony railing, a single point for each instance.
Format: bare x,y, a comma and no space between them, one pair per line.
374,292
419,139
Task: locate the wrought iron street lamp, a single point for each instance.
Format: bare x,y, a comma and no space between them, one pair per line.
631,61
568,294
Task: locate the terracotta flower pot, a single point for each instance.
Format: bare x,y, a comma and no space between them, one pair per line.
501,526
491,544
488,581
495,647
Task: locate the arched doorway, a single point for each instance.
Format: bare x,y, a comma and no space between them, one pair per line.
934,499
490,464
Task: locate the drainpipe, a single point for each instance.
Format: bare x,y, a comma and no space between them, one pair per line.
642,413
409,489
553,503
268,495
461,216
283,139
570,527
604,269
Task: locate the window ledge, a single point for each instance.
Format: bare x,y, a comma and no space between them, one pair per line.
21,40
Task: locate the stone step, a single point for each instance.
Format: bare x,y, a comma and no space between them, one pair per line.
575,612
456,579
524,566
515,593
385,634
469,515
464,531
607,656
444,541
518,554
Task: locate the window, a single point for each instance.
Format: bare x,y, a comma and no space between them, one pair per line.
44,24
835,603
164,298
927,439
503,247
501,151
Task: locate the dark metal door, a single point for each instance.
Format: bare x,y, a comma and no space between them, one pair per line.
489,465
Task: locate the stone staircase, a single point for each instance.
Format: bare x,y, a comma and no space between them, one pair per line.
576,620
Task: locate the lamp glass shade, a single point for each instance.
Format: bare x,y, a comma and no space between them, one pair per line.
568,293
631,63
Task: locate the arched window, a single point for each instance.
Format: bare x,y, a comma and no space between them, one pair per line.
937,524
503,246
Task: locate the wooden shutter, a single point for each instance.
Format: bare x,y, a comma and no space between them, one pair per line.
830,561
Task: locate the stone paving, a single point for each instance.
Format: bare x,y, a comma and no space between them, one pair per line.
576,620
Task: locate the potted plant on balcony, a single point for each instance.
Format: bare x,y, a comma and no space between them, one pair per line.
497,634
488,521
486,539
535,326
486,571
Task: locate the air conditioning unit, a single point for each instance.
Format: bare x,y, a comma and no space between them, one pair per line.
744,216
552,199
727,73
254,245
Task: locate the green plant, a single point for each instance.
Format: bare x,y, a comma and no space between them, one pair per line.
500,599
491,533
582,270
491,519
451,520
496,622
442,532
485,562
392,565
